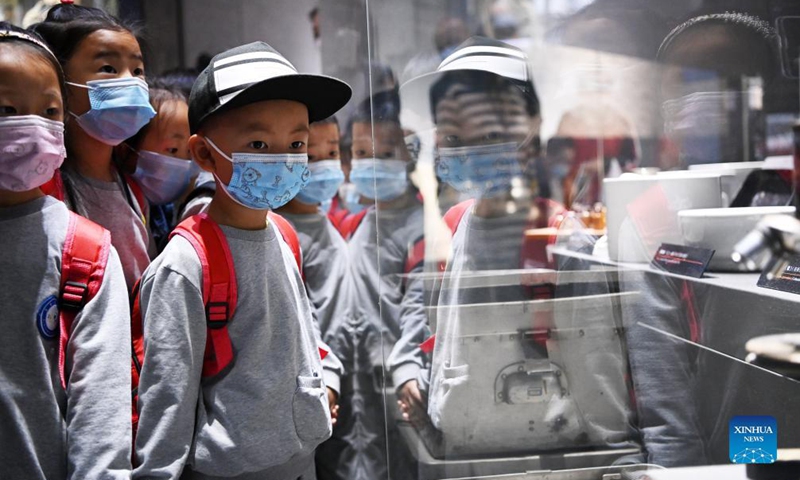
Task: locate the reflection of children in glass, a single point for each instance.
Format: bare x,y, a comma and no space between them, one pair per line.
487,116
386,242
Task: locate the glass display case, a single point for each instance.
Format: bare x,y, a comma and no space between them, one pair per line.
514,166
552,148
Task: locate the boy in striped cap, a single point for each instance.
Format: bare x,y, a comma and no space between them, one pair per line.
265,413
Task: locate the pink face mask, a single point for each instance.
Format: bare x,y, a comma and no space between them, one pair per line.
31,149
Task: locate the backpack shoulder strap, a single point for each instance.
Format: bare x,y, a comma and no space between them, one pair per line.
83,264
289,235
416,254
219,287
137,353
350,223
138,193
55,186
453,216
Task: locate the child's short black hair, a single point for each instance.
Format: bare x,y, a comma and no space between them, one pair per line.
332,119
66,25
381,107
181,78
36,46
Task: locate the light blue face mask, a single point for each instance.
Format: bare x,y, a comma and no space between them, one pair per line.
350,198
559,171
265,181
163,178
120,108
484,171
381,180
326,177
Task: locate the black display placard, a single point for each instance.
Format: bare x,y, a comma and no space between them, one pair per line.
682,260
783,274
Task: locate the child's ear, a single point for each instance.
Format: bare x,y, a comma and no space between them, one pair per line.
201,153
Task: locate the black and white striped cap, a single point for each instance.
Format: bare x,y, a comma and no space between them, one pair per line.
476,54
488,55
256,72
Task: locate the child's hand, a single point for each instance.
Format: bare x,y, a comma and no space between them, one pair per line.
332,399
411,403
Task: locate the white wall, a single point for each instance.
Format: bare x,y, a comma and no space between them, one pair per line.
212,26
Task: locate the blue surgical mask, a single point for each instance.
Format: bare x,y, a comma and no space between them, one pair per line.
484,171
265,181
350,198
120,107
559,171
381,180
326,176
163,178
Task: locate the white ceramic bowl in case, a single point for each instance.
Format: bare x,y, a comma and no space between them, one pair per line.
721,228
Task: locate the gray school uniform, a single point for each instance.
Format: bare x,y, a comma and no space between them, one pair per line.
106,204
387,326
46,432
325,271
400,317
269,411
325,268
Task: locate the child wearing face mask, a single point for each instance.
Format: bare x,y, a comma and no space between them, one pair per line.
108,103
324,249
263,414
160,152
325,264
393,227
65,405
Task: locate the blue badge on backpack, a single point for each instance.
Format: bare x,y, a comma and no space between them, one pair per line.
753,439
47,317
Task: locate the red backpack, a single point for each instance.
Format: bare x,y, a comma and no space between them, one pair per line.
83,264
348,224
219,295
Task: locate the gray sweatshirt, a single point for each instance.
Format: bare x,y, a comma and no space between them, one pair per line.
270,408
379,250
45,432
106,204
325,271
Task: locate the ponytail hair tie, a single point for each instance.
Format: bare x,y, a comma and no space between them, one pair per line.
67,2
